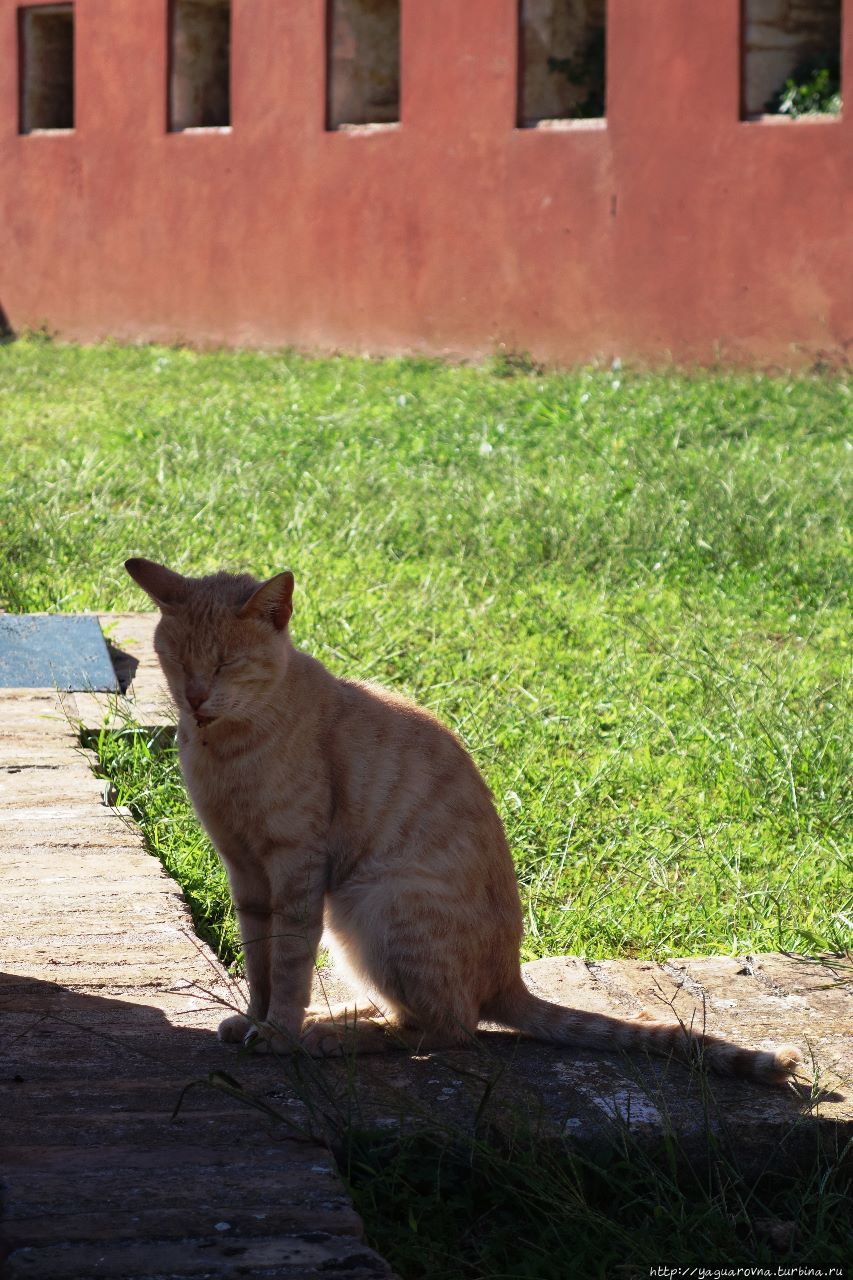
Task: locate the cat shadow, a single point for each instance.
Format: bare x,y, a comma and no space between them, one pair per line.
7,333
123,1129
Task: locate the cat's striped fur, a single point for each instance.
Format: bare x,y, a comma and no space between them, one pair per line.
341,803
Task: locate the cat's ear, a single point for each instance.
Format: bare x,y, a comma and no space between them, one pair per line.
272,601
164,586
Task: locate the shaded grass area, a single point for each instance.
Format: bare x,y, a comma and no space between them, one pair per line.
531,1211
628,594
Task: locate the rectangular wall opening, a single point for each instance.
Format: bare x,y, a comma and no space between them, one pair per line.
46,52
199,64
363,77
791,62
561,61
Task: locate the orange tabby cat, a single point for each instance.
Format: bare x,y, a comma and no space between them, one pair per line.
336,802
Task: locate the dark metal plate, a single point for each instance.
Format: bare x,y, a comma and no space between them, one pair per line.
54,651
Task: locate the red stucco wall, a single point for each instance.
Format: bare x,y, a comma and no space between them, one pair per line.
678,230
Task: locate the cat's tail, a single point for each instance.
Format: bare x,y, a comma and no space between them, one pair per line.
525,1012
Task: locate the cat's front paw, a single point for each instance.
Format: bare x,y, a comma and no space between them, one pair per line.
263,1038
234,1029
260,1037
323,1040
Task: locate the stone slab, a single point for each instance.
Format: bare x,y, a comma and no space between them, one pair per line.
285,1257
67,827
54,651
77,786
129,897
16,755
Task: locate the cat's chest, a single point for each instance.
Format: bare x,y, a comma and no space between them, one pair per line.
241,801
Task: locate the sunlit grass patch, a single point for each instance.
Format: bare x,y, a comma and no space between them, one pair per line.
628,594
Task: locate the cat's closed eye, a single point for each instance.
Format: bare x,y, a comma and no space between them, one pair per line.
165,656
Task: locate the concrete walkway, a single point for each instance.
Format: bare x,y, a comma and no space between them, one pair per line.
109,1004
104,1021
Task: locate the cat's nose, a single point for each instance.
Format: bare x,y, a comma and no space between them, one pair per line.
196,695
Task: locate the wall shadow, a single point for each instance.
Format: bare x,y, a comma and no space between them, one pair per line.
121,1127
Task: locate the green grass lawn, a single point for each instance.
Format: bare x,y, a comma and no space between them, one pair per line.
627,593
